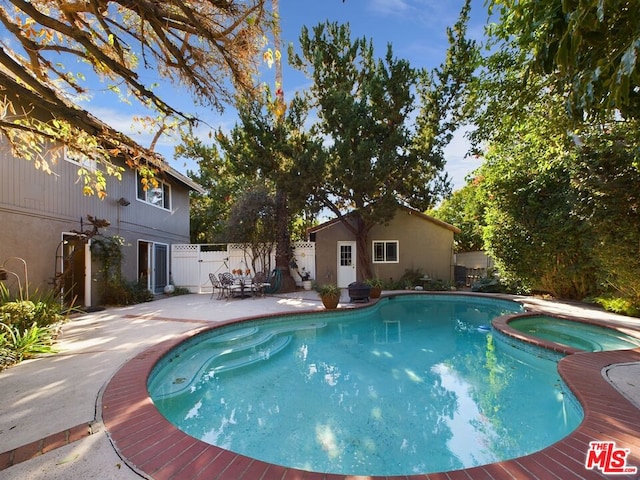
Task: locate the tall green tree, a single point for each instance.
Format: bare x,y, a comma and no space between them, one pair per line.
465,209
561,154
588,48
210,211
606,177
532,231
273,145
253,223
364,107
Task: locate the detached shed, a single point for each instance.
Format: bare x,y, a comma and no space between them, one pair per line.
411,240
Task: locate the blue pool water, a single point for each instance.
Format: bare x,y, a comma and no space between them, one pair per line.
415,384
591,338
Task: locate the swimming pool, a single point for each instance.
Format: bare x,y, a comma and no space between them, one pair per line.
583,336
413,385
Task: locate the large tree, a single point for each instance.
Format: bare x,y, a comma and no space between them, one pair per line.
588,48
465,209
272,144
210,211
364,107
559,185
207,47
532,230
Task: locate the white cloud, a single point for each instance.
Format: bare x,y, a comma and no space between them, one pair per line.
390,7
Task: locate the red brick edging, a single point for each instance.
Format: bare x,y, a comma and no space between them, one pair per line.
157,449
44,445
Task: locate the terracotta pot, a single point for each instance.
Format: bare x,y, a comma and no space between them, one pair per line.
375,292
330,301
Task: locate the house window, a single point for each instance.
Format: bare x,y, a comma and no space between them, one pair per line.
80,159
385,251
159,196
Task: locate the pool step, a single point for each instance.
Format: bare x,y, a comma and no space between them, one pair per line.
231,361
184,372
220,353
185,365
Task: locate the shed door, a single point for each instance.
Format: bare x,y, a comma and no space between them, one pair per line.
346,263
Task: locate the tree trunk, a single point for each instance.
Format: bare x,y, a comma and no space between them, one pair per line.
283,246
363,252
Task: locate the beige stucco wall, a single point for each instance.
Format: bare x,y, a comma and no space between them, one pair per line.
423,245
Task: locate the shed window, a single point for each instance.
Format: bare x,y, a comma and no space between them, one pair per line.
159,196
385,251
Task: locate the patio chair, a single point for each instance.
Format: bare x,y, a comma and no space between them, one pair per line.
215,285
259,284
229,284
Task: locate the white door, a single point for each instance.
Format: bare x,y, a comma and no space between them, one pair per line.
346,263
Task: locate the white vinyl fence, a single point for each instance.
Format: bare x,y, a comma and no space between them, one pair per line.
192,264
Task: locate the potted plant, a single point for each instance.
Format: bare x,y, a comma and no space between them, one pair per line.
330,295
376,285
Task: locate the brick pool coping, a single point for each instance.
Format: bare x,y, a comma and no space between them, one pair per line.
155,448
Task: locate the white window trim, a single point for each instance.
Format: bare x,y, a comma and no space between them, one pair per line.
385,242
146,201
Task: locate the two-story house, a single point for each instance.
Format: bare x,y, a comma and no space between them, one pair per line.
42,215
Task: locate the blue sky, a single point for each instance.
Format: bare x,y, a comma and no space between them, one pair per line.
415,28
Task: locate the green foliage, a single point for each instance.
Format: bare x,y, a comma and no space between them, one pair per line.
375,282
329,290
606,177
493,283
29,342
108,251
115,289
587,49
27,327
252,217
222,184
411,277
44,309
181,291
122,292
560,199
465,209
622,306
438,285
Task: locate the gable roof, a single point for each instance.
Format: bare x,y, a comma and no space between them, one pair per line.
409,210
186,181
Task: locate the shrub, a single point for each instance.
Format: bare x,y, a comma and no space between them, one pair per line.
438,285
410,278
28,326
329,290
620,305
43,310
122,292
20,344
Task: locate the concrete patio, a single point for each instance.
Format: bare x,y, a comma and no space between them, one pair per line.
58,397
